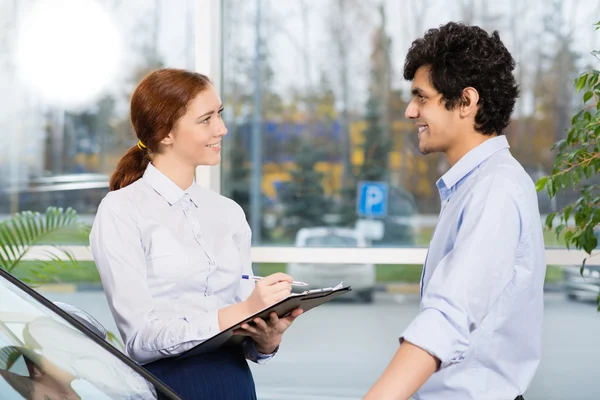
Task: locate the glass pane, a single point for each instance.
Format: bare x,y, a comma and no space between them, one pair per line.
67,74
44,356
315,103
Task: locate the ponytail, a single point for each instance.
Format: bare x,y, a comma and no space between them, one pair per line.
131,167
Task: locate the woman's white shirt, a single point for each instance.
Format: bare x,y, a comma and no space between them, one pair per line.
169,259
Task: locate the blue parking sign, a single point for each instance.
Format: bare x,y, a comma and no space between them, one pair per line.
372,199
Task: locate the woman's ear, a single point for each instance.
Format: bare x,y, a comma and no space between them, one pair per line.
167,140
469,102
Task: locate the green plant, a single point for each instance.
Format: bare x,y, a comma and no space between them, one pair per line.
576,167
19,235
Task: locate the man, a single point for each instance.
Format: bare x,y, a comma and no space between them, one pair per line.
478,333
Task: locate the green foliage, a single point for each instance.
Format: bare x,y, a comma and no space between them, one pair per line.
576,167
24,230
304,196
376,147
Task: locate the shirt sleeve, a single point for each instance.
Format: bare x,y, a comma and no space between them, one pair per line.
468,281
149,333
254,355
244,242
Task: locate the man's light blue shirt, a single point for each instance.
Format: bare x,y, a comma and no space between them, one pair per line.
482,284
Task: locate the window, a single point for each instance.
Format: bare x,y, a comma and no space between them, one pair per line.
67,74
315,104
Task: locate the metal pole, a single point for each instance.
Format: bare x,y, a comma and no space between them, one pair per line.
255,186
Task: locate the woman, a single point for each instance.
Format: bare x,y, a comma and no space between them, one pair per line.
171,254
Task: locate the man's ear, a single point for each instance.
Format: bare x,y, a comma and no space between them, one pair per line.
468,105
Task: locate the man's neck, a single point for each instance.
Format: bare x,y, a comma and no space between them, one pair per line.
467,144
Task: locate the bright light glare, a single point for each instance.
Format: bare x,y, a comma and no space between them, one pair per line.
67,51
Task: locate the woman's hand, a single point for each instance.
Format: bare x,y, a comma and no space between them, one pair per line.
269,291
267,334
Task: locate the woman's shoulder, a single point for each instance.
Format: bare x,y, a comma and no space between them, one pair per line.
122,199
220,201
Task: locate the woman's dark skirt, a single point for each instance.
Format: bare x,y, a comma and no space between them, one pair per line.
222,374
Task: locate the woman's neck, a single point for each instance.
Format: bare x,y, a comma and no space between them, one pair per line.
180,173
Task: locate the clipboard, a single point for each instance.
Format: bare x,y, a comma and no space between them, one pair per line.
306,301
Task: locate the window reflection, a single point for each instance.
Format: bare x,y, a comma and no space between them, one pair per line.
43,357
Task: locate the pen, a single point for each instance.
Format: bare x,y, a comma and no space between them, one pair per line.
258,278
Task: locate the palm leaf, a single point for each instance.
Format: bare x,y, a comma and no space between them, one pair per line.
24,230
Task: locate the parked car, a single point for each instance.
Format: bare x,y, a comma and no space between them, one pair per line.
360,276
48,349
586,285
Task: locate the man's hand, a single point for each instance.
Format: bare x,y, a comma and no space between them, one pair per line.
267,334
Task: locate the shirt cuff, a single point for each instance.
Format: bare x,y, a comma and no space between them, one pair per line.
254,355
435,333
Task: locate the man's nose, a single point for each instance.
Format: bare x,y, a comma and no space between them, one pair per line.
412,111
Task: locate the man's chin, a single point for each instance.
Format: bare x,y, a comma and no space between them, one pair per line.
425,149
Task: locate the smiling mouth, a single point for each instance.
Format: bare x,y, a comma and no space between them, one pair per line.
212,146
422,128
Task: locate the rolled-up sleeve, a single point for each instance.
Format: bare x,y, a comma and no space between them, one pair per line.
469,280
149,331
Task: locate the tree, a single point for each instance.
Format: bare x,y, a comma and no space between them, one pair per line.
347,19
376,144
303,197
576,167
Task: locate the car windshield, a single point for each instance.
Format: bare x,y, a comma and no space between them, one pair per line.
44,355
331,241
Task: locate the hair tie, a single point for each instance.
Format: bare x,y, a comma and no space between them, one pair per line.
141,145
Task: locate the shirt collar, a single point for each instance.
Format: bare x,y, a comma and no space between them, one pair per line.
166,187
469,162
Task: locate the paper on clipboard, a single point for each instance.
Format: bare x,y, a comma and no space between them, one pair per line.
306,300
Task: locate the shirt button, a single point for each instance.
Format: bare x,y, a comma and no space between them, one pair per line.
198,237
209,293
211,262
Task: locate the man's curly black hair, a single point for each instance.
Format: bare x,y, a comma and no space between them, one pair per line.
461,56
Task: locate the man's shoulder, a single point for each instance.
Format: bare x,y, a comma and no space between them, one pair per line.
504,170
